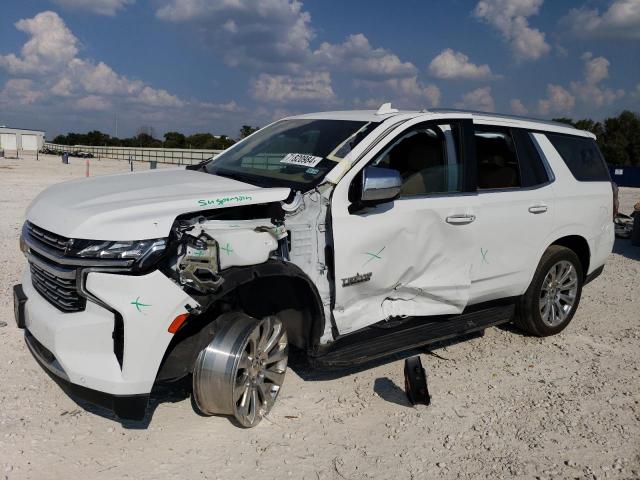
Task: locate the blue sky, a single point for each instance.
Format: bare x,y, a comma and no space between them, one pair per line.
204,65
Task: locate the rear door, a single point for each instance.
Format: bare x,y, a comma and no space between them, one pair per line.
516,210
412,256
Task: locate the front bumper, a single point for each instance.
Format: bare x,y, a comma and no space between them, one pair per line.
128,407
79,348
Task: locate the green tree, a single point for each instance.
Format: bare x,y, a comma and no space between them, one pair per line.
96,138
203,141
621,139
147,141
568,121
247,130
174,140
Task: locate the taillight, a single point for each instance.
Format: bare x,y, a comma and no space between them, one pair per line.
616,202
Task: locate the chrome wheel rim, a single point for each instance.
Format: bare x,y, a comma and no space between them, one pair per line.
558,293
240,372
260,372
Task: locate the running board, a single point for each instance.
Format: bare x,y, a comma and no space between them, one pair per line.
373,342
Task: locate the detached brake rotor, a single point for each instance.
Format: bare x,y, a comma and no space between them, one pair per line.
415,381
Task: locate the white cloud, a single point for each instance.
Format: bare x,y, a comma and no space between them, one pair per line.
50,47
99,7
356,56
450,65
19,91
260,34
518,107
158,98
478,99
92,102
50,58
620,20
408,92
596,70
510,18
309,87
272,38
558,100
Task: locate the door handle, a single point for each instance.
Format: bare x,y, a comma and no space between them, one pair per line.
538,209
463,219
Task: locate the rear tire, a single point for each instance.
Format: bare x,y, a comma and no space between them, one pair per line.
553,296
240,372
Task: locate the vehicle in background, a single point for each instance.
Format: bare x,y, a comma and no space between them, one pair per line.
82,154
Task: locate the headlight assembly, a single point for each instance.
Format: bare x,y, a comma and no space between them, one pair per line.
123,250
142,252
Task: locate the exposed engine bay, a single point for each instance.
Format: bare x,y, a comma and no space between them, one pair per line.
210,244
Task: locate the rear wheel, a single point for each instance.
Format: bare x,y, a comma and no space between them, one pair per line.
240,372
551,300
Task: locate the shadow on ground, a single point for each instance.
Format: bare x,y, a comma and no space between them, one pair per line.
181,390
623,247
389,391
161,393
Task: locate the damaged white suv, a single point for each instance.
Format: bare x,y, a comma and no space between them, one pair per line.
347,235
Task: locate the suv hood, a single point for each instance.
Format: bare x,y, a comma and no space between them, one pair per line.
138,206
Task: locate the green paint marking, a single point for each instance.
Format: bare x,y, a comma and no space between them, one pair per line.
374,256
221,201
138,304
227,248
484,255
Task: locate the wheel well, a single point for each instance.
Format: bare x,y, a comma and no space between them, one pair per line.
291,299
581,248
258,292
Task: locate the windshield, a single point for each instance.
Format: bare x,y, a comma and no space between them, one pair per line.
290,153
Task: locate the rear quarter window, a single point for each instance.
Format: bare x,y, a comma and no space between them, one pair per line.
582,156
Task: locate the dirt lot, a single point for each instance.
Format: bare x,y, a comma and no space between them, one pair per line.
504,405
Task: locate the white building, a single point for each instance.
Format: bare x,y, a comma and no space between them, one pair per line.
17,140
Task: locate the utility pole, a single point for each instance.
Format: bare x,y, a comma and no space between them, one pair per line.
116,115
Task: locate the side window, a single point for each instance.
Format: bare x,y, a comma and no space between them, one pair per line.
532,169
497,159
582,156
426,158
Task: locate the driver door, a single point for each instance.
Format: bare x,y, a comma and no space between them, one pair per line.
411,256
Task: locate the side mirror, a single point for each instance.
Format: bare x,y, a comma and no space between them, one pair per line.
380,184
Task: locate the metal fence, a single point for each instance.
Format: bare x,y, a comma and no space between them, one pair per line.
174,156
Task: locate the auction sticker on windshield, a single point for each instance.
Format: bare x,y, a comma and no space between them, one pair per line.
301,159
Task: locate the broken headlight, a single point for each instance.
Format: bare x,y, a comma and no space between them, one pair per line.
144,252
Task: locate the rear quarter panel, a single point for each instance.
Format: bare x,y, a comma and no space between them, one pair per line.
581,208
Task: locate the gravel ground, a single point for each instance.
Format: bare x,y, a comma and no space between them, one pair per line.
504,405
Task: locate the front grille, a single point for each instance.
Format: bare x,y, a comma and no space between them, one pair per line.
51,240
60,292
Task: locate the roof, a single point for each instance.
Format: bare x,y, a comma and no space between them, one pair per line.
357,115
479,117
5,127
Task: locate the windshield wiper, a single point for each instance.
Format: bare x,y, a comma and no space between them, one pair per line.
237,176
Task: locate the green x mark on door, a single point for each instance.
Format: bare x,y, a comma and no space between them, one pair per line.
227,248
138,304
484,255
373,256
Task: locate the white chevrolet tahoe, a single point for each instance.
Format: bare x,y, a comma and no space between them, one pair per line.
345,235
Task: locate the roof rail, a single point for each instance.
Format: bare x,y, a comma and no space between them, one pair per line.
500,115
